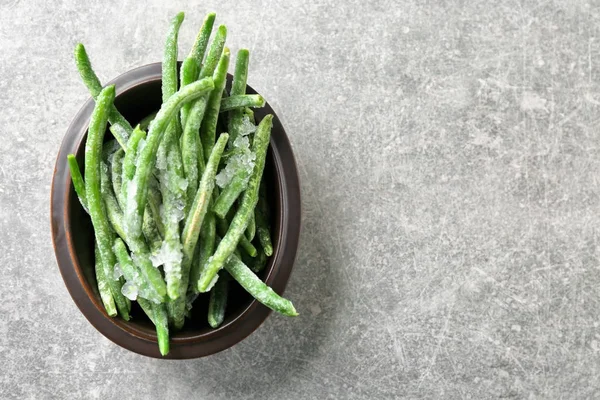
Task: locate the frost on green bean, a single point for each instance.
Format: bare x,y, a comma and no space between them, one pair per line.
193,224
241,162
137,191
246,209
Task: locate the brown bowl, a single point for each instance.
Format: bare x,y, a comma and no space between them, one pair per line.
138,94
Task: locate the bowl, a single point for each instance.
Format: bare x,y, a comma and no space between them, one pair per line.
138,94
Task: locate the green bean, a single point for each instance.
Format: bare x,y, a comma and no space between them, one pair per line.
120,128
169,63
231,192
157,313
242,101
117,175
250,114
240,221
201,43
168,150
145,122
200,157
154,202
261,214
257,288
93,153
259,262
200,206
111,205
218,300
211,116
172,170
149,226
189,146
193,121
129,270
238,87
188,74
206,248
77,179
129,161
103,286
132,274
197,121
251,228
147,157
192,227
244,243
190,68
174,198
214,53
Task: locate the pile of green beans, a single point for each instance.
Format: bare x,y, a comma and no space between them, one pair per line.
179,207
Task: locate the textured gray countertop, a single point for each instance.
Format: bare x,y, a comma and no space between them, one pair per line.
449,156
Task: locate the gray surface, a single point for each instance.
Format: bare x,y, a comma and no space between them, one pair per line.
449,155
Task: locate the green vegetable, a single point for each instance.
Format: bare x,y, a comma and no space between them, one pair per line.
157,313
251,228
218,300
206,248
242,101
244,243
128,170
169,63
259,262
257,288
261,214
145,122
120,128
77,179
93,154
193,223
147,157
190,145
191,69
111,205
238,87
211,115
171,174
116,175
231,192
246,209
103,285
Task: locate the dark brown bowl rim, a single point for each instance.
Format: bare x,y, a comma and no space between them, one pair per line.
121,332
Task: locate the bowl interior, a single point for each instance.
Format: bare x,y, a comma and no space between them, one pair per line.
135,103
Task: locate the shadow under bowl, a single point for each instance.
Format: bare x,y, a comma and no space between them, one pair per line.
139,94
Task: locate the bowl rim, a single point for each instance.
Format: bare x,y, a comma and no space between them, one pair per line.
123,333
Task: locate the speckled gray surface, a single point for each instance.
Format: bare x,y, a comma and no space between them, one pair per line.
449,154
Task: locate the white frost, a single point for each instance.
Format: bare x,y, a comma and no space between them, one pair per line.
247,126
117,272
167,255
130,290
242,160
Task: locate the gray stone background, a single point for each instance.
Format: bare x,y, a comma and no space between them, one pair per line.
449,158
